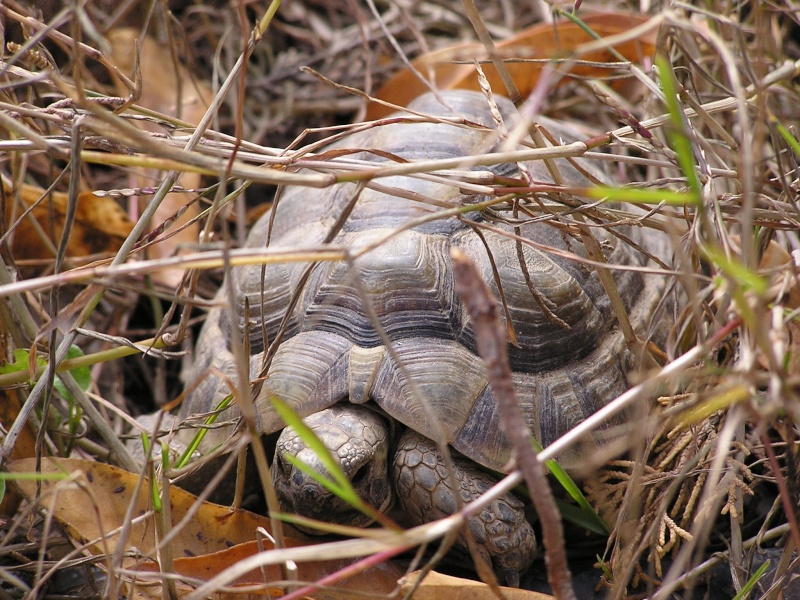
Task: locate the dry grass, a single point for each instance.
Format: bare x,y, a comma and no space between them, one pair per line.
712,476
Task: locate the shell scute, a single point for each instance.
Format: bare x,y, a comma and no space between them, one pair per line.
444,374
544,341
309,373
407,282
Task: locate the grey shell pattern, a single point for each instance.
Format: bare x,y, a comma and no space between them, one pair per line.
565,368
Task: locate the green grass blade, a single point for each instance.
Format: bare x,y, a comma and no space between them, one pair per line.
292,419
191,448
746,279
590,519
640,196
338,483
345,492
677,136
579,517
32,476
787,136
751,583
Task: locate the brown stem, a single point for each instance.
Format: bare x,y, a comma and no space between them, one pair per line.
492,348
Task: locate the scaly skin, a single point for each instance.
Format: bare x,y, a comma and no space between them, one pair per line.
501,531
359,440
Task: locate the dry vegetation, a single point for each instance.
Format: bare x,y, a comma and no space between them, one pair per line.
711,477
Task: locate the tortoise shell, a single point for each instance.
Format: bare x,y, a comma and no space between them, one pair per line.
569,359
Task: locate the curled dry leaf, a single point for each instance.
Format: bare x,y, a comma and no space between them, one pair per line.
452,67
100,224
165,84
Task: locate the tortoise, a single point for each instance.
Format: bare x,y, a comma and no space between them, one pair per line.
364,398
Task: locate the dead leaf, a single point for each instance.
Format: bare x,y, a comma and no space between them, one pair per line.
436,586
782,279
109,491
93,505
381,579
100,224
541,41
164,85
24,448
783,285
94,501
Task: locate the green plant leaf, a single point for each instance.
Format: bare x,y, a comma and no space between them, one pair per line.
82,375
751,583
20,362
21,356
588,517
677,136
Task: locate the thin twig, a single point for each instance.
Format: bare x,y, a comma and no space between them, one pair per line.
492,347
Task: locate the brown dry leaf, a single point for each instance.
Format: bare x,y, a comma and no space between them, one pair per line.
94,503
378,580
541,41
782,280
24,448
436,586
109,491
164,84
381,579
783,284
100,224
